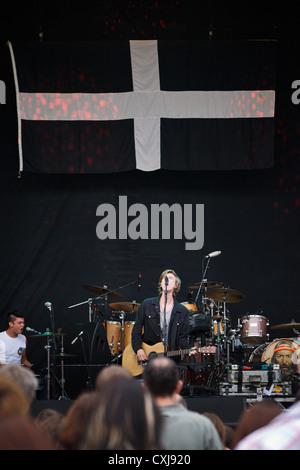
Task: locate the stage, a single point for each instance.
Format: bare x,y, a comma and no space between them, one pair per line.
228,408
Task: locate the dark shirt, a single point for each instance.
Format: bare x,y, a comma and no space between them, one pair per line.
147,328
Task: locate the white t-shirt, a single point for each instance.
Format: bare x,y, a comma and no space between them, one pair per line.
11,349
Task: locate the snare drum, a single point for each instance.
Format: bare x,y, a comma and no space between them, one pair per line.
254,329
114,337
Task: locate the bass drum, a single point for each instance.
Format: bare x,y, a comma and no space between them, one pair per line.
282,351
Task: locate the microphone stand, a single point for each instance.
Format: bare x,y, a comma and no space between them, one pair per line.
165,318
47,347
89,381
202,280
51,377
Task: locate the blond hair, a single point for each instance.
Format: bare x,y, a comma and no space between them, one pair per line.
177,281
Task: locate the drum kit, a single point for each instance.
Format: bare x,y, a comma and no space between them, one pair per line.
246,347
118,331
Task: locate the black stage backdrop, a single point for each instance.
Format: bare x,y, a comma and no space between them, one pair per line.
48,241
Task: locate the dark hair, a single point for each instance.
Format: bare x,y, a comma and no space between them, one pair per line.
125,418
13,315
161,376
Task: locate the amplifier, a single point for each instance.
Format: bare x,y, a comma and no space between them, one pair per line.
254,377
253,380
275,390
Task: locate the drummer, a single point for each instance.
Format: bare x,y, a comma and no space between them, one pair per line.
12,342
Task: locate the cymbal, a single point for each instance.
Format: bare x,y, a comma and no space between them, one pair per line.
103,290
63,354
286,326
128,307
217,317
225,295
47,333
206,284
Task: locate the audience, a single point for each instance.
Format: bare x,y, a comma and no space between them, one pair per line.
255,417
111,372
50,422
13,401
182,429
125,414
229,437
21,433
219,425
76,420
23,377
124,418
281,433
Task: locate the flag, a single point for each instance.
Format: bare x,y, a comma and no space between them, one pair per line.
146,105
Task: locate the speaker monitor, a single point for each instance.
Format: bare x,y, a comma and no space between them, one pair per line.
85,343
79,378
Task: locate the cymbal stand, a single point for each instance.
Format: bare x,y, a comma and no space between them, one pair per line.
90,308
48,348
218,340
211,307
225,317
122,318
63,395
230,344
50,379
102,295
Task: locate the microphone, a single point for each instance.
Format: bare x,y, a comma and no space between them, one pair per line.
166,280
139,281
32,330
48,305
213,254
75,339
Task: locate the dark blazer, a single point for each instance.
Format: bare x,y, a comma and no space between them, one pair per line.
147,328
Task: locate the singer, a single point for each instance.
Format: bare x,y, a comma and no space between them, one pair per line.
150,326
12,342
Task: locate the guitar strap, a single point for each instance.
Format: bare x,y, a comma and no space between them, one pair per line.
173,331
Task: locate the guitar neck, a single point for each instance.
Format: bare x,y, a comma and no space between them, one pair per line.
175,353
204,350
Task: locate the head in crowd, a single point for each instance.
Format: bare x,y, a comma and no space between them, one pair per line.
161,377
124,418
255,417
13,401
111,372
21,433
22,376
76,420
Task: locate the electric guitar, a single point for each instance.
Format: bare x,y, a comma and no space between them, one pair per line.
130,362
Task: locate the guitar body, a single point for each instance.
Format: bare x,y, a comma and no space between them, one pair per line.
129,359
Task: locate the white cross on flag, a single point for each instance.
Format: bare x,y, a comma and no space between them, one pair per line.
146,105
